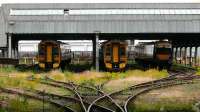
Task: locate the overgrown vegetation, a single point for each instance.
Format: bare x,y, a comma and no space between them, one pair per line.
181,98
9,77
15,103
28,81
7,69
97,78
162,106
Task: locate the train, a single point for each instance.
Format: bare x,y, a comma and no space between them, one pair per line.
52,56
154,54
113,55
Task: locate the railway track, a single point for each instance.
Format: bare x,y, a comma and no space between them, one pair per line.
40,96
83,97
94,99
69,104
123,97
145,89
111,104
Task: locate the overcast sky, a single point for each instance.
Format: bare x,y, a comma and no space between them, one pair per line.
99,1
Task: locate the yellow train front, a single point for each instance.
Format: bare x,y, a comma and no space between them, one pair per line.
49,54
113,55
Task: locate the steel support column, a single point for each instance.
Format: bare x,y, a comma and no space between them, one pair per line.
95,42
2,53
94,52
181,55
13,53
5,53
176,51
97,51
9,46
17,52
185,56
190,56
195,56
172,53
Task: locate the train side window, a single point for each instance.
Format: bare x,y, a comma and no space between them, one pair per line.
41,51
55,50
122,51
108,50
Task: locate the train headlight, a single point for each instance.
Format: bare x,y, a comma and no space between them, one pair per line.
55,65
108,65
122,65
41,65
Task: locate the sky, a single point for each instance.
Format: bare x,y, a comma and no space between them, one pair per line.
99,1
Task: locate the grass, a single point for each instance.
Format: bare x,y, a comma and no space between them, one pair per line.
179,66
8,69
198,70
122,80
15,82
17,103
19,80
153,73
163,106
93,78
173,99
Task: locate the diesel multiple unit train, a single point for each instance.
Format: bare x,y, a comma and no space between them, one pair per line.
113,55
154,54
51,56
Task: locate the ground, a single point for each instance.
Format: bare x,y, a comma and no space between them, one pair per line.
178,98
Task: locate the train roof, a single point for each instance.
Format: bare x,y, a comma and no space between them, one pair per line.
151,43
54,41
105,42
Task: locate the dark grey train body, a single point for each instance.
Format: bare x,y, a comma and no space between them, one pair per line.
155,54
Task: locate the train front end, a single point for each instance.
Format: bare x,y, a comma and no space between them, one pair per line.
115,55
163,53
49,56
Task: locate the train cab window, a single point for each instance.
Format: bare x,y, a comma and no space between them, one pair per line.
163,50
55,51
108,51
122,51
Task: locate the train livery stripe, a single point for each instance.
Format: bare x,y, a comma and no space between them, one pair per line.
49,53
115,53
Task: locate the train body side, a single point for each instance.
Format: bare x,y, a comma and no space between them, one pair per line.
155,54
